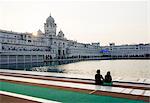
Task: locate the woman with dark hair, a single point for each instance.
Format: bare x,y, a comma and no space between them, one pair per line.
108,79
98,78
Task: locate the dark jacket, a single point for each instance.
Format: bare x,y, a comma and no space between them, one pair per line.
98,79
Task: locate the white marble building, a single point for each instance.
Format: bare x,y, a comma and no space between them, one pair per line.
48,46
127,51
26,48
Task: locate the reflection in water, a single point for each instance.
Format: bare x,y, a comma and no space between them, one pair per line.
39,67
48,69
118,68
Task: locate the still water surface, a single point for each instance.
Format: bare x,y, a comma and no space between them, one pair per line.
118,68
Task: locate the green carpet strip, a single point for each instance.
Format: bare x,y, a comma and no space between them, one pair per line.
61,95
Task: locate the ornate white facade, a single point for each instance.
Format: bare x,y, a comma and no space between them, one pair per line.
25,47
127,51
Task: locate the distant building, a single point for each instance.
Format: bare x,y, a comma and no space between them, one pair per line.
27,48
39,47
126,51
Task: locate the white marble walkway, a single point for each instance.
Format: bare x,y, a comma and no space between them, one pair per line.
28,97
133,80
81,86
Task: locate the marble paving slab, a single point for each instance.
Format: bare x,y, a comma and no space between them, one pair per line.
127,90
137,92
147,93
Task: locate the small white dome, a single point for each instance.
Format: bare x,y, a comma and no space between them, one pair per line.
60,33
39,32
50,19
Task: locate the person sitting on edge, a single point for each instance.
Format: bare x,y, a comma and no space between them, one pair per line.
98,78
108,79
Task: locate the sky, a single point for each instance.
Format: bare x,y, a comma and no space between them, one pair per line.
104,21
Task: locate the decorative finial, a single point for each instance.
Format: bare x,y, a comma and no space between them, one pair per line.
50,14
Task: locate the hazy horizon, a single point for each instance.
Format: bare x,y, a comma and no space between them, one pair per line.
121,22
